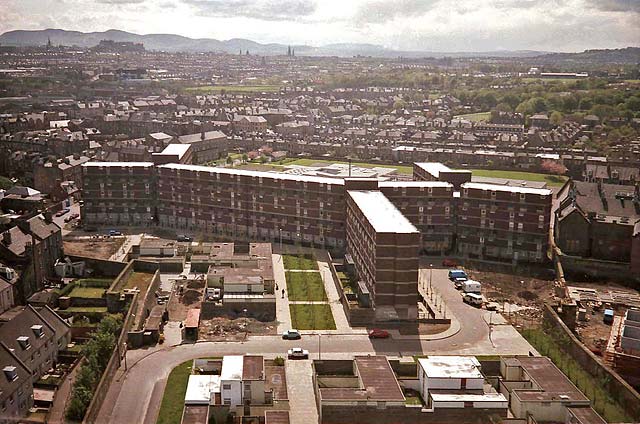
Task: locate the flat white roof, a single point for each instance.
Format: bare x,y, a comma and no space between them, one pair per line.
487,397
200,388
414,184
273,175
381,213
433,168
120,164
451,367
176,149
511,189
232,366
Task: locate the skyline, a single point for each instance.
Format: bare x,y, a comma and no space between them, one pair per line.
405,25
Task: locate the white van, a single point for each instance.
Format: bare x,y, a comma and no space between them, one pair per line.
473,299
471,286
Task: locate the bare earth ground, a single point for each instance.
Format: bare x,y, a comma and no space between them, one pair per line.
226,329
191,298
100,248
525,295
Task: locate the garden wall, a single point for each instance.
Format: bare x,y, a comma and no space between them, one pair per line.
112,367
614,384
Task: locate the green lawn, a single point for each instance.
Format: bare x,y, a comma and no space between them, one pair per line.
301,261
601,400
205,89
305,286
87,292
312,317
173,397
308,162
475,117
5,183
95,282
86,309
551,180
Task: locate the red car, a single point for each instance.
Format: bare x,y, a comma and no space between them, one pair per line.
377,333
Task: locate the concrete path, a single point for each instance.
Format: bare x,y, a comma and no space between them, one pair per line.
342,323
283,315
302,401
122,253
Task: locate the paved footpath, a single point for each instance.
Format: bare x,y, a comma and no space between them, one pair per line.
283,314
302,402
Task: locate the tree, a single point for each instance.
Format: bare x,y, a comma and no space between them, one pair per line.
553,167
244,157
229,160
556,118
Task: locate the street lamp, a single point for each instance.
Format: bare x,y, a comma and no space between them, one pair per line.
280,234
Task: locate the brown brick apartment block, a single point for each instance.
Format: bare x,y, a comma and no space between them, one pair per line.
384,246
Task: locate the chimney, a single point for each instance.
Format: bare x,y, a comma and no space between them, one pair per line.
6,237
48,216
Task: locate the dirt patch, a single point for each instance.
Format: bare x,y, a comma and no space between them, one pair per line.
98,248
190,297
226,329
593,332
185,299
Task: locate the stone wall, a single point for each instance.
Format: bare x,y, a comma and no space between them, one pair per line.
606,270
262,309
615,385
102,267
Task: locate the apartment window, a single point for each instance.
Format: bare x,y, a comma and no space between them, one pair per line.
522,197
520,226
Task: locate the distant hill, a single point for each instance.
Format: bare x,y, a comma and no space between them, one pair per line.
628,55
175,43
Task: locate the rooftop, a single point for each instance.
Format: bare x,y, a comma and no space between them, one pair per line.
381,213
232,367
508,189
243,172
451,367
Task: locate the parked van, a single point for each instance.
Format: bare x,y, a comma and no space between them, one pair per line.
471,286
474,299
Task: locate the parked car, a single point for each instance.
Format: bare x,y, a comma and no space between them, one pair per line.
63,212
473,299
297,353
291,335
182,237
377,333
457,276
114,233
608,316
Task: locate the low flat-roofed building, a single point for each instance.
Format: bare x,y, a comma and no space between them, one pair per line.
174,153
536,387
369,391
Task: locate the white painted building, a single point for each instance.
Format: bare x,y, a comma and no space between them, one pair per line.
449,373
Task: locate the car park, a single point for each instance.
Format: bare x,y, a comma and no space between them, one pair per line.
291,335
377,333
297,353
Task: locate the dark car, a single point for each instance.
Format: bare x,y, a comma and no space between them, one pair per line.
377,333
182,238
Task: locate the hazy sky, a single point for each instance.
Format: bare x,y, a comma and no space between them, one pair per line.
428,25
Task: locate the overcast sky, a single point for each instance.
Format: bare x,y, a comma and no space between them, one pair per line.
427,25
